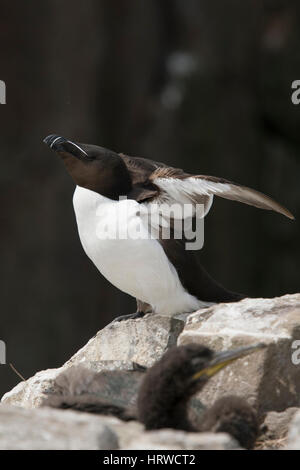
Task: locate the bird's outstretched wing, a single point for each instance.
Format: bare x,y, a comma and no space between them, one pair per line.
199,189
172,185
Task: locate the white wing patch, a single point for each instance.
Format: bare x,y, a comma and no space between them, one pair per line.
189,190
178,204
197,190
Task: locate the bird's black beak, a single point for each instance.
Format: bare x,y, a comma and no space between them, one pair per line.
53,141
61,145
224,358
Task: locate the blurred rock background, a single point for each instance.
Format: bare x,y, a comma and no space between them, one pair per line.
201,84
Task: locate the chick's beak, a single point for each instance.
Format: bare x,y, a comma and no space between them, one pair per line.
224,358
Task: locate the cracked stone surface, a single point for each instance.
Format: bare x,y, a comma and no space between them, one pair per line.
121,352
268,379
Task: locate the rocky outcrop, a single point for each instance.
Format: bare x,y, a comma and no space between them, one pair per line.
268,379
121,352
167,439
125,346
142,341
294,433
276,424
48,429
118,386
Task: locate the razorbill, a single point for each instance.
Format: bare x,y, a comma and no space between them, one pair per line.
113,198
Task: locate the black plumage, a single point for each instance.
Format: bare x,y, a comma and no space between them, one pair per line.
182,372
165,392
233,415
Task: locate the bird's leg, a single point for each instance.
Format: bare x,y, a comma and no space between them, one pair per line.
142,309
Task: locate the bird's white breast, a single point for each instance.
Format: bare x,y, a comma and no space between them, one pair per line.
135,264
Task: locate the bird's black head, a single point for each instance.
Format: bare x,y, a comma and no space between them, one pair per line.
178,375
92,167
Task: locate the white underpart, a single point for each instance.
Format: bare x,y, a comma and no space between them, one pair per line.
138,267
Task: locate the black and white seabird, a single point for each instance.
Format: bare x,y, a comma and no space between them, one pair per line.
160,273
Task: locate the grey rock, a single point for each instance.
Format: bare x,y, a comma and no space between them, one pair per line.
32,392
118,388
98,366
131,345
127,432
276,424
141,341
48,429
169,439
132,435
115,387
268,379
293,441
121,352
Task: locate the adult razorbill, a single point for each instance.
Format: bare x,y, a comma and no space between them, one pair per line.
116,193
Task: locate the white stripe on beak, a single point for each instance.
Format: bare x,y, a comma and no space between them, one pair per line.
75,145
57,138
